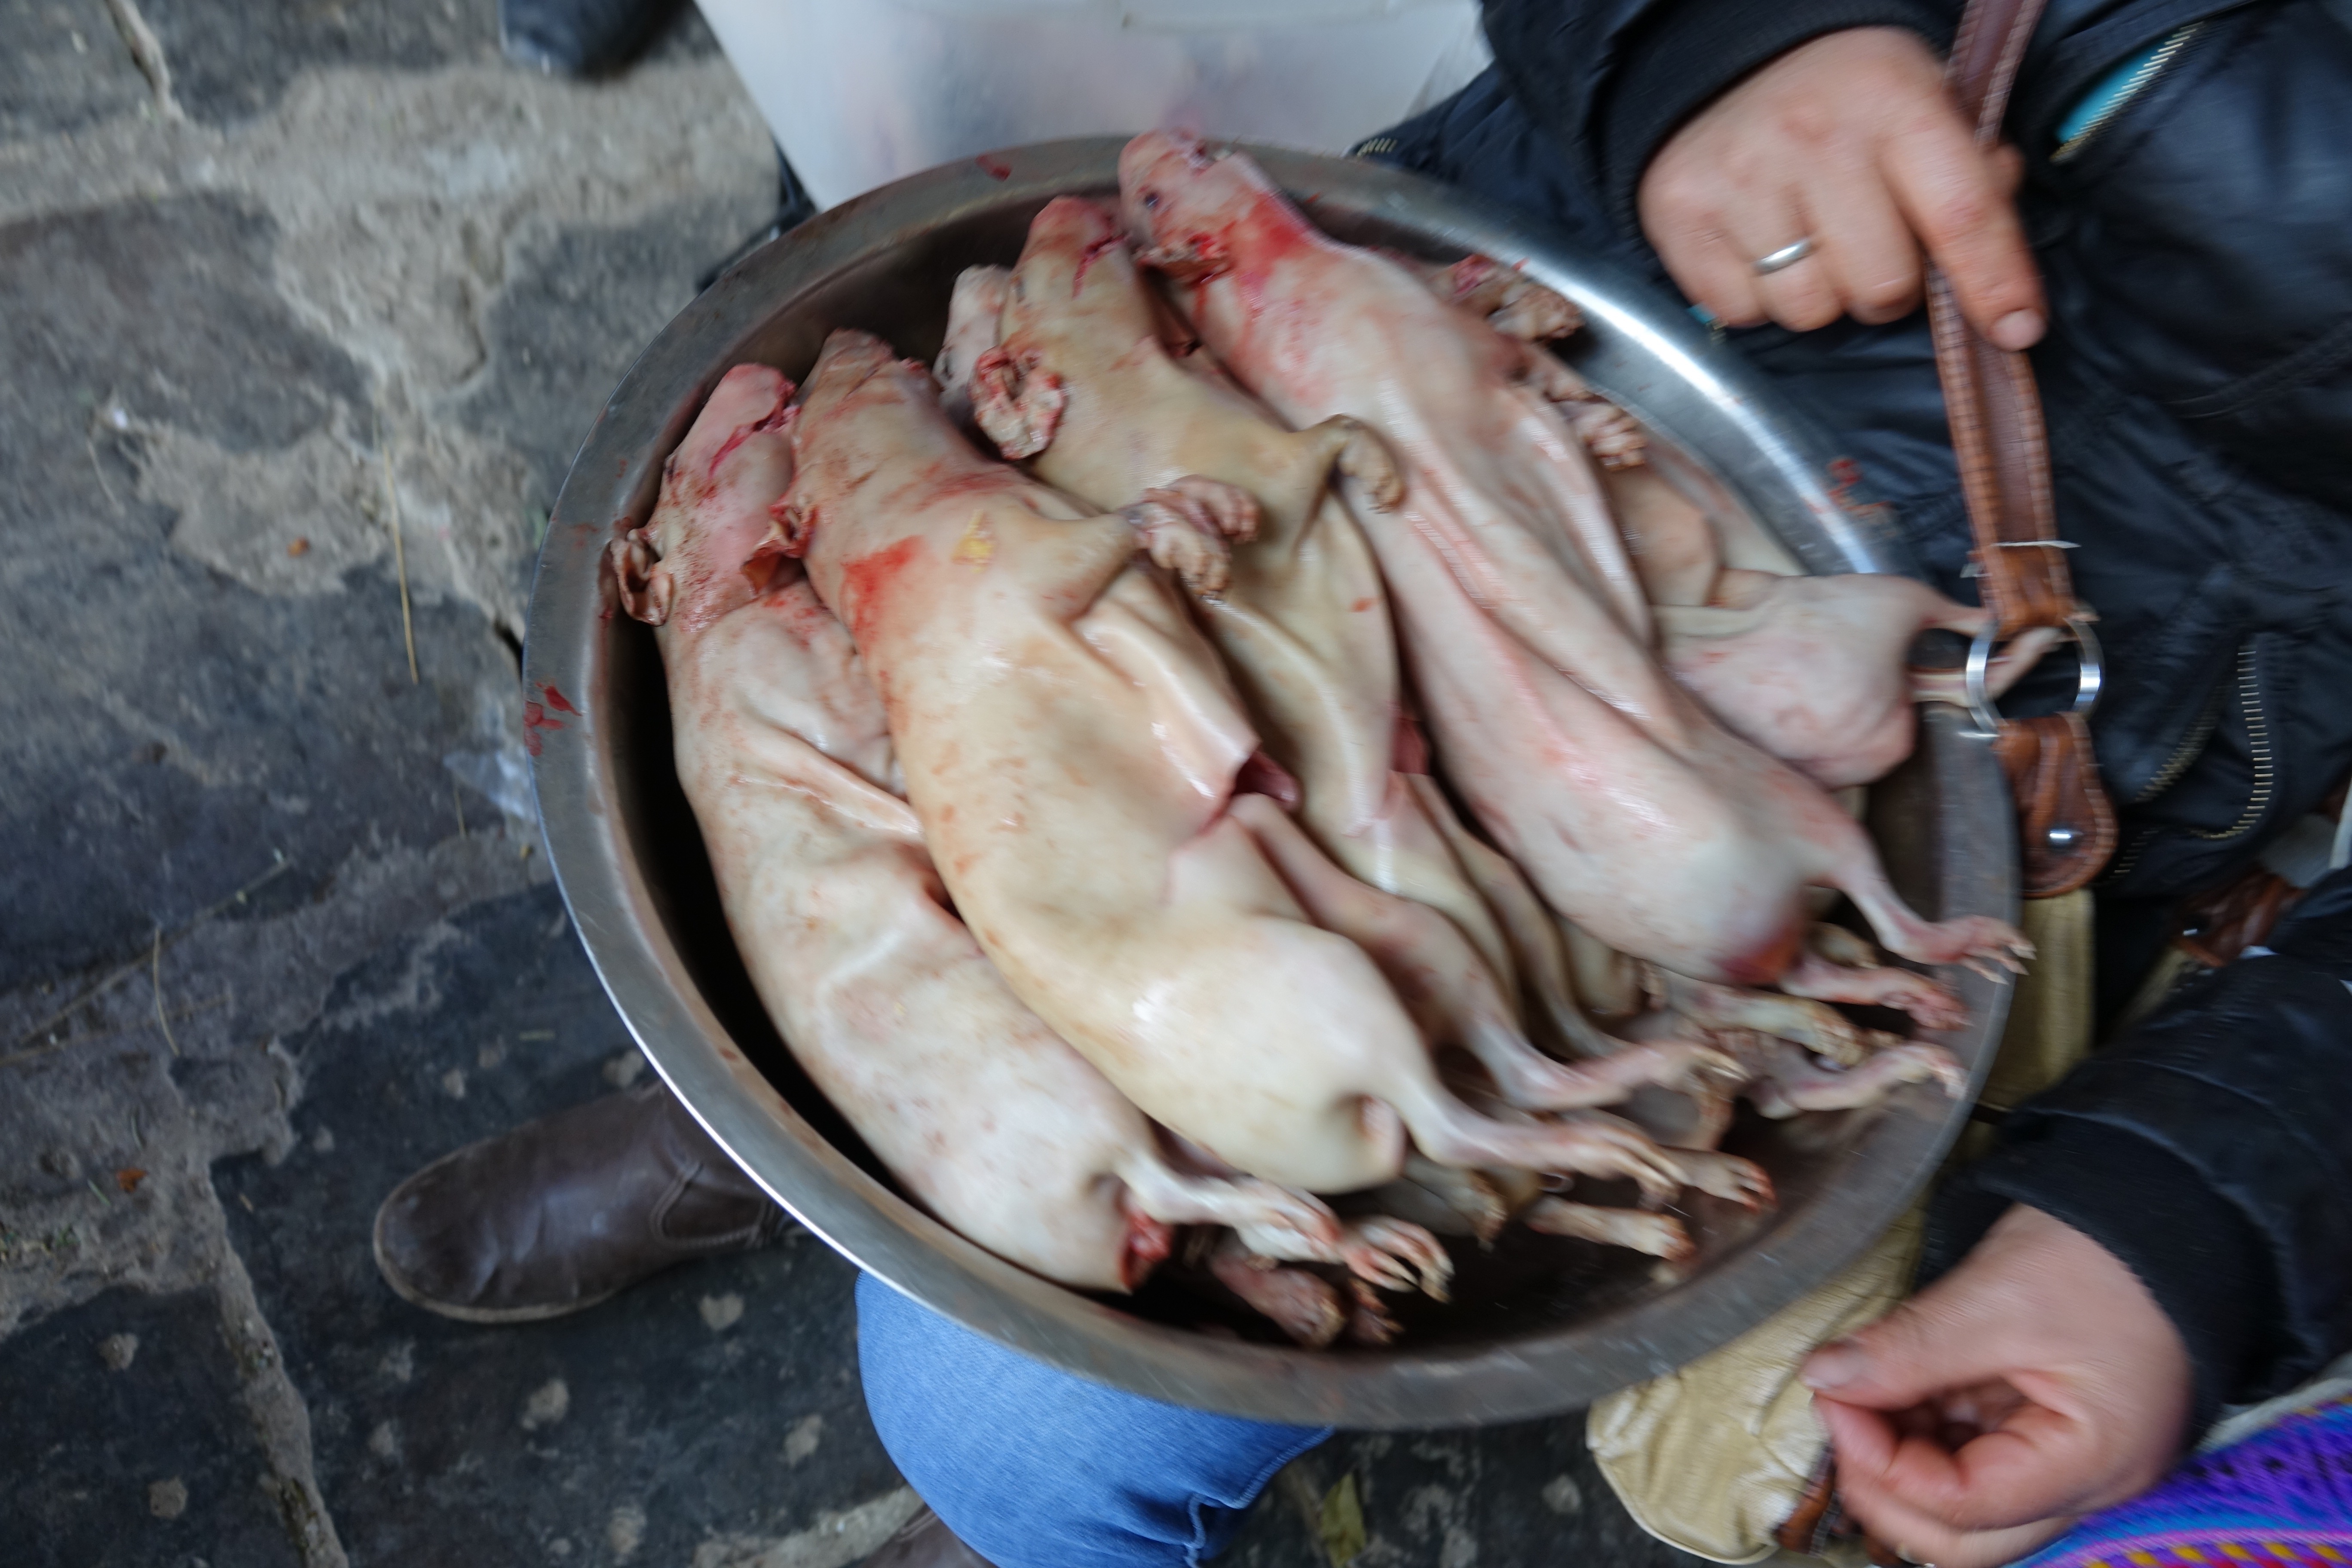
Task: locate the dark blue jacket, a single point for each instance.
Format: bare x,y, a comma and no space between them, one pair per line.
2198,384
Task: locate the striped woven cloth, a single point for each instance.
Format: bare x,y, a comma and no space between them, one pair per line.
2283,1496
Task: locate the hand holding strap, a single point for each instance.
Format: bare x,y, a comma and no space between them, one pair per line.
2066,826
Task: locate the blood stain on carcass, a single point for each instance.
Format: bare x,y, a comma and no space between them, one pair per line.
555,698
995,168
865,581
1767,964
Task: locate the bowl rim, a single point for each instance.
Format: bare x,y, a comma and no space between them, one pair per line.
1770,458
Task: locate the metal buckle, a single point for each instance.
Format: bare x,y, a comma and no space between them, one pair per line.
2086,685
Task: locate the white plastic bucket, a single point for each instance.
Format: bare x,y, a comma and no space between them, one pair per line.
860,92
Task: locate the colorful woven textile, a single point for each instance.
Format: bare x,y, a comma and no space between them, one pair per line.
2283,1496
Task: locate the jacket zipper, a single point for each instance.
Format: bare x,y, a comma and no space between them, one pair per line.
2186,753
2258,748
2165,55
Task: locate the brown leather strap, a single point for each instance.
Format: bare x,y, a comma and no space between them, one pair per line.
2067,828
1985,56
1995,409
2215,929
2004,458
2065,825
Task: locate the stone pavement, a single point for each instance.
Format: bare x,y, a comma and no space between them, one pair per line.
306,305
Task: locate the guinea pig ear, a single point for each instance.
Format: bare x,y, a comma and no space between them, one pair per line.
644,583
1017,405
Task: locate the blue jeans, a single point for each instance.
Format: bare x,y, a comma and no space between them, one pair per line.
1036,1469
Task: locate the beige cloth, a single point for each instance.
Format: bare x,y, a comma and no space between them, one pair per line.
2051,1017
1713,1458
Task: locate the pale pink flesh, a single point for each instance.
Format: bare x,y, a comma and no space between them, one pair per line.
1070,748
1549,1002
1476,1200
1303,621
1303,1305
1815,670
1721,1175
1303,624
972,311
1633,812
1658,1235
1694,1118
1384,1251
1931,1005
987,1118
1814,1025
1447,988
1788,1081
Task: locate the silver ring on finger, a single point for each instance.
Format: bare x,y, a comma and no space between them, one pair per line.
1786,256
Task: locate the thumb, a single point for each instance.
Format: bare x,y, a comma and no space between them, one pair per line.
1930,1343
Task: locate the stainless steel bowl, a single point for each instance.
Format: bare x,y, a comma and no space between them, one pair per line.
1538,1326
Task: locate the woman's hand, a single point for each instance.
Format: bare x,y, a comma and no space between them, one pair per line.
2036,1382
1850,141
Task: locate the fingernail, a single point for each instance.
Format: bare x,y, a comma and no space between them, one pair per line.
1833,1366
2019,330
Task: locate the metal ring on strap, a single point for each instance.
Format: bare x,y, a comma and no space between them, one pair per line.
2086,685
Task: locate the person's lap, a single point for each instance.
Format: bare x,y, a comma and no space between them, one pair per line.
1033,1468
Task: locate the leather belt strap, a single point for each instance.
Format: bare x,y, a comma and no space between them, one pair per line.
2066,828
2066,825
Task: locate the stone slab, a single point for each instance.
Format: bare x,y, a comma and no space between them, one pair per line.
231,59
124,1444
63,67
172,728
704,1416
580,305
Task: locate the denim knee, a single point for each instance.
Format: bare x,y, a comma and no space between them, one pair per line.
1036,1468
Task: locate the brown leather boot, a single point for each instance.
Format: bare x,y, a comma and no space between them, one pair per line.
562,1212
924,1541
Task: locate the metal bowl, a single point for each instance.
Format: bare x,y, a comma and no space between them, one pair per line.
1539,1325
